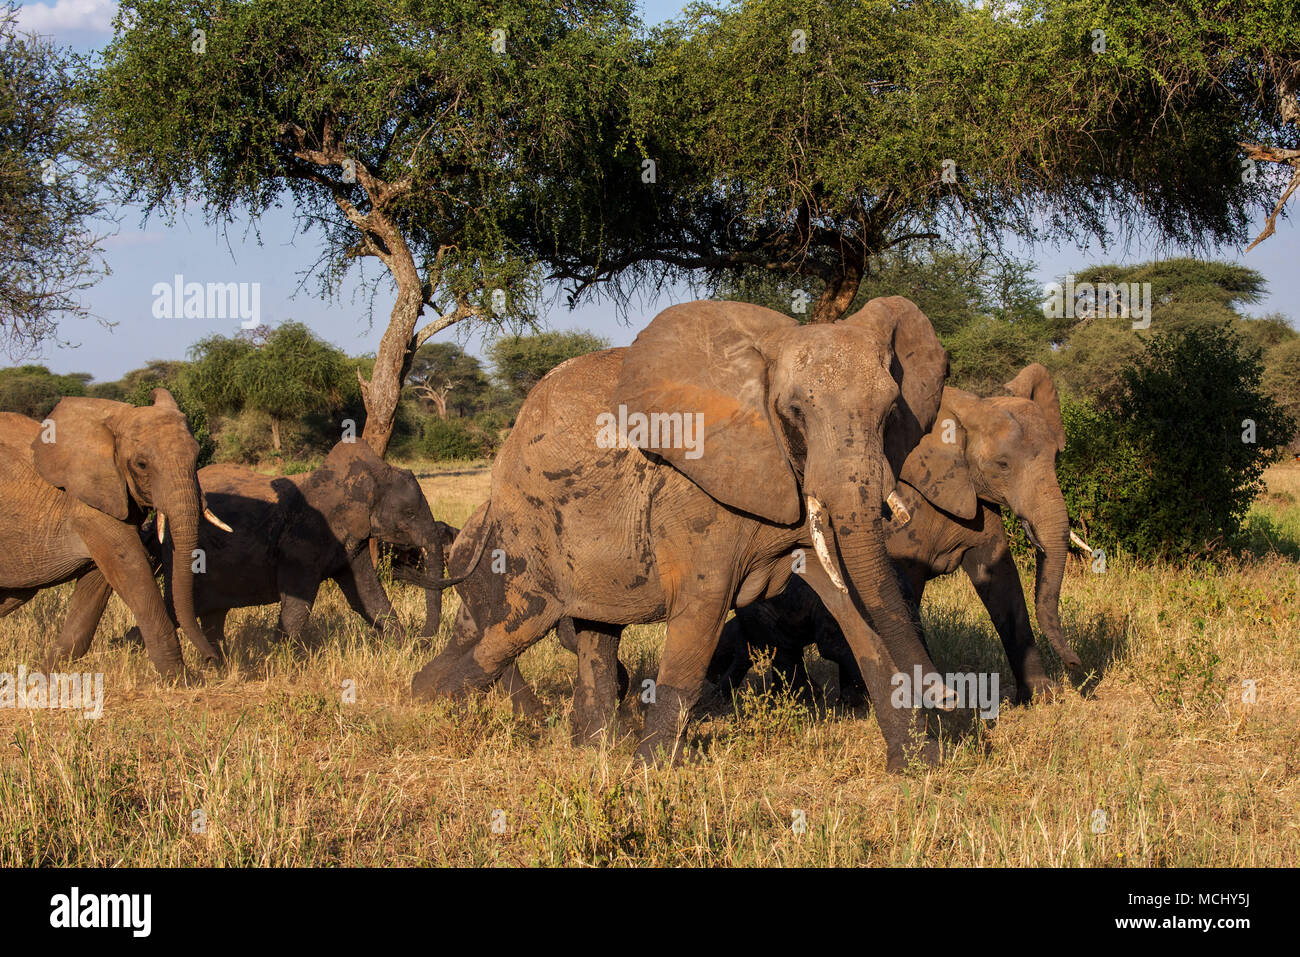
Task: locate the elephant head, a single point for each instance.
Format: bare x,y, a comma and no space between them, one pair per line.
799,423
1003,450
123,460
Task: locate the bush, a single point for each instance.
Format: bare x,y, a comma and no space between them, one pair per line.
1169,470
451,439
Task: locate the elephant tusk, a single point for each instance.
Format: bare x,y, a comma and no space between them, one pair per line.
896,505
162,527
1033,540
207,513
1079,542
817,525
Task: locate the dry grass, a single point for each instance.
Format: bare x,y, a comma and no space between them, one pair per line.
286,773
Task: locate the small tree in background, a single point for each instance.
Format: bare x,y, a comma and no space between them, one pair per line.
520,361
34,390
1170,468
291,374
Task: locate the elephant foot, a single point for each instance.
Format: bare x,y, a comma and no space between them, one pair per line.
523,700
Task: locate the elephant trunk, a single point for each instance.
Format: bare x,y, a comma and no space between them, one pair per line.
1051,526
436,559
858,537
182,504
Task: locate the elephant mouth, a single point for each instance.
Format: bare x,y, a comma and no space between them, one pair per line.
1029,532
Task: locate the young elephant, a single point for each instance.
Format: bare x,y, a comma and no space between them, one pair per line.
292,533
74,492
981,454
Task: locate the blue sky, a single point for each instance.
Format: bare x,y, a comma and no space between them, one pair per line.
140,256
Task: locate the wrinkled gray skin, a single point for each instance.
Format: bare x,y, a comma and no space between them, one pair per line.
292,533
1003,453
71,510
610,536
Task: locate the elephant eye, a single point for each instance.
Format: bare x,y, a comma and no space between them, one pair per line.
142,465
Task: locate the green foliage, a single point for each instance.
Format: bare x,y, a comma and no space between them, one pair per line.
442,372
292,375
1164,471
52,211
1282,376
34,390
458,148
520,361
138,385
450,439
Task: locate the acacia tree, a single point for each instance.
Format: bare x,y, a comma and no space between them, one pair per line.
51,210
432,136
804,138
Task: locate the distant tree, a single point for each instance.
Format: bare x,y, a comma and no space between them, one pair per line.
447,377
293,373
1282,377
52,213
34,390
520,361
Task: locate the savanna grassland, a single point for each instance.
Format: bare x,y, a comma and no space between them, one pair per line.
1158,740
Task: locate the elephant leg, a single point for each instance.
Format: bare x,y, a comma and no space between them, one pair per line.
15,598
214,627
791,673
295,609
732,658
602,680
89,599
997,582
903,724
478,657
116,550
361,587
693,633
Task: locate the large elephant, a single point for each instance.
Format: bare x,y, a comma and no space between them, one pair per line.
295,532
74,491
762,437
981,455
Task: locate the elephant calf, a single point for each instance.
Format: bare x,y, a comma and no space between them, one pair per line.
981,454
292,533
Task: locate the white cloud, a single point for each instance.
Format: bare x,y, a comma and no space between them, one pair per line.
88,15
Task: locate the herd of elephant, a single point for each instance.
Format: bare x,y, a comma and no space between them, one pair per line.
834,475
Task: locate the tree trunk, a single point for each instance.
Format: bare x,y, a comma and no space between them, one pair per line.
275,434
382,393
837,296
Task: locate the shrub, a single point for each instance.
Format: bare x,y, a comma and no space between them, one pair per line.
1170,469
451,439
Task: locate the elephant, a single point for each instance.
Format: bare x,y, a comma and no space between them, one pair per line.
751,436
982,454
293,533
74,493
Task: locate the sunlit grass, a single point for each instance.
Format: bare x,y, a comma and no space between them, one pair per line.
284,772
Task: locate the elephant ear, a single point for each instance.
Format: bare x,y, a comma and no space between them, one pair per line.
704,359
919,366
938,469
81,456
347,485
1034,383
